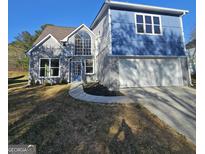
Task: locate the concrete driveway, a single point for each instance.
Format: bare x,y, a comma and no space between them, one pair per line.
176,106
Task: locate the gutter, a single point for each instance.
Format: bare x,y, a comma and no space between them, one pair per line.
132,6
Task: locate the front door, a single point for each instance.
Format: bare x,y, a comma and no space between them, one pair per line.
76,70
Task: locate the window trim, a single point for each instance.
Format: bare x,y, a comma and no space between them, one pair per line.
90,66
144,24
49,73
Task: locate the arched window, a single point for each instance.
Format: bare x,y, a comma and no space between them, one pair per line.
82,43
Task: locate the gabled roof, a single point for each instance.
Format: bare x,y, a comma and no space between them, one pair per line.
76,30
56,31
42,41
134,7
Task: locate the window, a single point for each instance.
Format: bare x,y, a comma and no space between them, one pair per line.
78,45
49,67
89,66
54,69
44,67
140,24
82,43
148,24
156,25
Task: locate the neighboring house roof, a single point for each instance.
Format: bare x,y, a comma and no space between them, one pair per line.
56,31
191,44
135,7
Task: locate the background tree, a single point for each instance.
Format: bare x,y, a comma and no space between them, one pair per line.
191,53
17,59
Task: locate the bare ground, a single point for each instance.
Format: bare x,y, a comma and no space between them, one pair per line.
57,123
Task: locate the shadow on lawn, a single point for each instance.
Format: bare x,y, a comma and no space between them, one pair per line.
56,123
17,79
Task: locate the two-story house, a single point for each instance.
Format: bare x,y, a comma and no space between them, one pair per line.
127,45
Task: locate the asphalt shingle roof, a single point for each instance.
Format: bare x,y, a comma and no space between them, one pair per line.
57,31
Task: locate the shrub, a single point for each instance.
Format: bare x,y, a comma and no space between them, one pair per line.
63,81
32,82
37,83
47,83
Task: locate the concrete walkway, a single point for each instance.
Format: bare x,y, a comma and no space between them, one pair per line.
176,106
77,92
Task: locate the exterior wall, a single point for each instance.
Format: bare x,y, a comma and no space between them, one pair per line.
125,41
85,77
71,48
49,49
103,40
71,42
115,48
146,72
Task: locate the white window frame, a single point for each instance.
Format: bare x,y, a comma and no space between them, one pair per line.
84,44
92,66
144,23
49,66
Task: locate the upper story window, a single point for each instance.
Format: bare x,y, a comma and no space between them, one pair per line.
82,43
148,24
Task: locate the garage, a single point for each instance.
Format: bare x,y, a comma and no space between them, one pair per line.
150,72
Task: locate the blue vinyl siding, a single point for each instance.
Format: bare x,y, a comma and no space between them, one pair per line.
125,41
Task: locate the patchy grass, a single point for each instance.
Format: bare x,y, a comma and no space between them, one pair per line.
94,88
57,123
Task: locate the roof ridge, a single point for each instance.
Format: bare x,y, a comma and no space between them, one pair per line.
60,26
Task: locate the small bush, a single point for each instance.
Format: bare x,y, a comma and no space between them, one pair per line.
63,81
47,83
37,83
32,82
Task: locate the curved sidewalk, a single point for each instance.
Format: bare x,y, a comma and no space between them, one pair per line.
77,92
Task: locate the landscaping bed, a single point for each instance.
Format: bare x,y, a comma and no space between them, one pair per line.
94,88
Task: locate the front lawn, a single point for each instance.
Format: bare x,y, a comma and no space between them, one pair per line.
57,123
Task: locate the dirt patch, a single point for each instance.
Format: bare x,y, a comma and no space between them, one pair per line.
97,89
49,118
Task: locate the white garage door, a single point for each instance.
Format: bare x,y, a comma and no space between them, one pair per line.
150,72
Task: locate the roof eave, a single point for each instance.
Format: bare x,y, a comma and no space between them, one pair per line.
147,8
73,32
125,5
100,13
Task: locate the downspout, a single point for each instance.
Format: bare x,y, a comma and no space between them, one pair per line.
187,61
